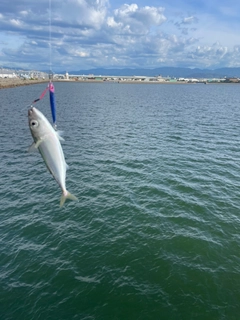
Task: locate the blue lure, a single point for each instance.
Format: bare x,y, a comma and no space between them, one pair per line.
52,102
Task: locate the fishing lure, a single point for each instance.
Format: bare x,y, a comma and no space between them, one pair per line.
52,102
51,90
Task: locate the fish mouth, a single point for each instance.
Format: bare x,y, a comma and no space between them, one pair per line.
30,111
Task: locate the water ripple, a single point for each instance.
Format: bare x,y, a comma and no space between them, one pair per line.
156,230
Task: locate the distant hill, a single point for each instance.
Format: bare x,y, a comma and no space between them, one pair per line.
164,72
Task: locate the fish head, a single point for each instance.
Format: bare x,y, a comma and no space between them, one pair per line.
37,122
33,118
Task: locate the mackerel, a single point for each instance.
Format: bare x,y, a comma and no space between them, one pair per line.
47,141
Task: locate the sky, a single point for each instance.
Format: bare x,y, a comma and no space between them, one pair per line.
67,35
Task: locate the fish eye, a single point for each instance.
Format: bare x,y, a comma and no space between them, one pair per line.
34,123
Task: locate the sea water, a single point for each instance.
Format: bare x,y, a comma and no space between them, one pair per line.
156,231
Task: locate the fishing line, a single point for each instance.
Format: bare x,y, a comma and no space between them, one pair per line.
50,87
50,38
42,95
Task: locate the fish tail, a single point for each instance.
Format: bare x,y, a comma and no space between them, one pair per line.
67,195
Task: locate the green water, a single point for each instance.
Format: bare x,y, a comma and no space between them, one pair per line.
156,231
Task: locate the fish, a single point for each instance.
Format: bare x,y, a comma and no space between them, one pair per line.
47,141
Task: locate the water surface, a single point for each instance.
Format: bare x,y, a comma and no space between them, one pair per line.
156,231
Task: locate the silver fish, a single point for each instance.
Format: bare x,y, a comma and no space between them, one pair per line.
47,141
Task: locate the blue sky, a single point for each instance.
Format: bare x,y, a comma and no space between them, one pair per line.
89,34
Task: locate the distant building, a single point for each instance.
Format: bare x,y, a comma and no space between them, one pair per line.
234,80
7,74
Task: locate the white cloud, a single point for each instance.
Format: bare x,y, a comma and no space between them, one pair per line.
81,13
90,33
112,23
80,53
184,25
16,22
24,13
189,20
133,19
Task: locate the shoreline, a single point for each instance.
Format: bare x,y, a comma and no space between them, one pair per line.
15,82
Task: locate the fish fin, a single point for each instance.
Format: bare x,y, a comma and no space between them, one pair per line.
67,195
32,147
59,135
37,144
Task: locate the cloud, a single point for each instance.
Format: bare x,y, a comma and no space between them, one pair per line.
131,19
213,55
184,24
189,20
93,33
81,13
78,53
